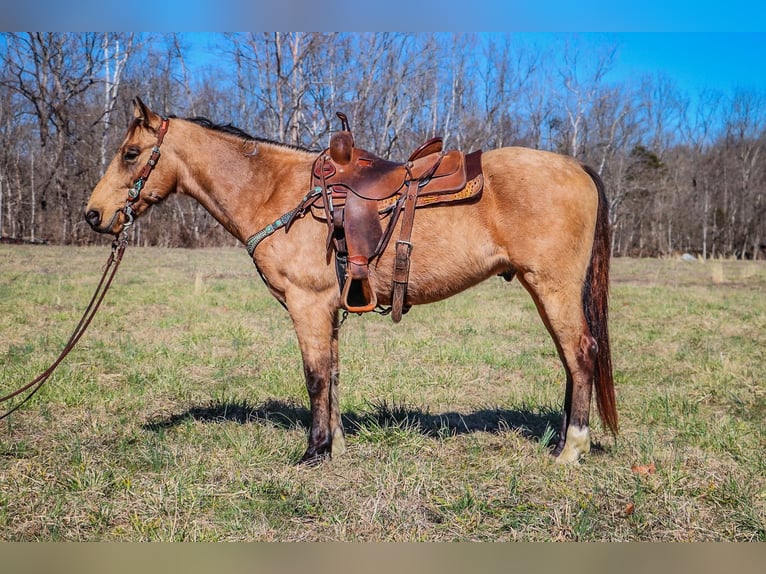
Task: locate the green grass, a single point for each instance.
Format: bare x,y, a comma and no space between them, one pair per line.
182,411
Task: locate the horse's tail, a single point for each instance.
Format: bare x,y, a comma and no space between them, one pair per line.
596,305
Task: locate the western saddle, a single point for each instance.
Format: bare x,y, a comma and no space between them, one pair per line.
354,191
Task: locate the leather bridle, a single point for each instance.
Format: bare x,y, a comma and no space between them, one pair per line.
135,191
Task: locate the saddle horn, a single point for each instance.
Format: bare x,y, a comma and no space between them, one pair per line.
342,142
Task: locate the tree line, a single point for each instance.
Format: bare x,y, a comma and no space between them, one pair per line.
684,172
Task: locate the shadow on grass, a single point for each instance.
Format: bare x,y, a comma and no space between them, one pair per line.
538,424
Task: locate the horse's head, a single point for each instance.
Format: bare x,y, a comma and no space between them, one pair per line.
127,190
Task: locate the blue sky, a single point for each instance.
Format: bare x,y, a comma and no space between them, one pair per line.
399,15
698,60
693,60
698,43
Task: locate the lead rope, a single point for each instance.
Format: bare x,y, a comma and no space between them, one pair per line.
110,269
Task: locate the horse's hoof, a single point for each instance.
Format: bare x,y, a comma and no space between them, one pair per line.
567,456
310,460
577,443
338,442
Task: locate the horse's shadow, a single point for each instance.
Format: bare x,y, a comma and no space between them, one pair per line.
537,425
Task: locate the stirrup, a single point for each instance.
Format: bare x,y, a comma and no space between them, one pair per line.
358,295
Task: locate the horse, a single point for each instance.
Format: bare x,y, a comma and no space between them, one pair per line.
541,218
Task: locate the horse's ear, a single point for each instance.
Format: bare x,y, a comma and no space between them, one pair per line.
144,115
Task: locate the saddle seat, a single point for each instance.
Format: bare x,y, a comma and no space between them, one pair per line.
355,190
372,177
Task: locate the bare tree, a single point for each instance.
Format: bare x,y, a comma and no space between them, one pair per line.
697,128
515,100
116,52
272,69
581,77
683,171
745,141
51,72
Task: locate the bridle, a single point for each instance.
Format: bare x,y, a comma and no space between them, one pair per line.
135,191
110,269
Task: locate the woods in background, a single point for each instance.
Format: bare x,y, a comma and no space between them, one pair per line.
684,172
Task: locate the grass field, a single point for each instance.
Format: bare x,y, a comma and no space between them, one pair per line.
181,413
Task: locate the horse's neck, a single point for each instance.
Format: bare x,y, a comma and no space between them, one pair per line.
245,185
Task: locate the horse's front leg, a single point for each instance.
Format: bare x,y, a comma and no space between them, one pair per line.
316,326
336,423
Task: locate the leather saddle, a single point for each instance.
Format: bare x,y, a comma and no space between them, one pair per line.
355,191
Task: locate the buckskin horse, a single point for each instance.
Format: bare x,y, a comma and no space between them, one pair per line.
541,217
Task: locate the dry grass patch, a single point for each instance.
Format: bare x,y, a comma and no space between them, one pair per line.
182,411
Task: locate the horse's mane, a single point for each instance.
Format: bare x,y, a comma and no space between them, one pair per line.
237,132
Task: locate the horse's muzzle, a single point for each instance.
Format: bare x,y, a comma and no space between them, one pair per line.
96,222
93,217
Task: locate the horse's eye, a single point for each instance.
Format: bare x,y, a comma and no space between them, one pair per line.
131,154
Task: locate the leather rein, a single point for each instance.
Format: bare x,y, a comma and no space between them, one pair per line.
109,271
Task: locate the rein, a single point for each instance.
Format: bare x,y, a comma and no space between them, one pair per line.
110,270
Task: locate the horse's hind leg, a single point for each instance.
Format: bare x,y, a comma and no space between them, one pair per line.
560,306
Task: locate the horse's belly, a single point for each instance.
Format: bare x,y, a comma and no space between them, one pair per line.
440,269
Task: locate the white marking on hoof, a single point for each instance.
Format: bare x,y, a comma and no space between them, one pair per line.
577,443
338,442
